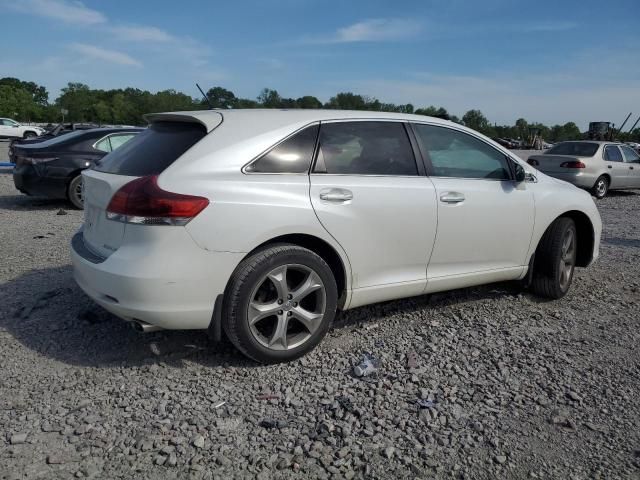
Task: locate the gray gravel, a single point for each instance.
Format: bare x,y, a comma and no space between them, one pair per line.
519,387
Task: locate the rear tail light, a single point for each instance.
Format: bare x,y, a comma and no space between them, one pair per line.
576,164
36,160
142,201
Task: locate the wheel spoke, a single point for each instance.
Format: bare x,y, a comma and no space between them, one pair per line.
310,284
279,279
258,311
310,320
279,336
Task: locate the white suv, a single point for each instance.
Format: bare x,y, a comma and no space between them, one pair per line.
12,129
263,223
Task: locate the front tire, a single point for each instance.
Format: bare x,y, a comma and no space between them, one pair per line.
279,304
29,135
555,259
74,192
601,187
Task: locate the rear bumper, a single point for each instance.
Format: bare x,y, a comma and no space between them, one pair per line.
579,179
171,283
32,180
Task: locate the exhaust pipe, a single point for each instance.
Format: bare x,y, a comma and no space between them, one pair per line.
144,327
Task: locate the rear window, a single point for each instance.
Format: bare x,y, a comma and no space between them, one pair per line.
578,149
153,150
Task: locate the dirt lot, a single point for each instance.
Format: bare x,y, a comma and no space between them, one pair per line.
520,388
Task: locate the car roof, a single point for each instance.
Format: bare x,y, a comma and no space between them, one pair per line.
282,117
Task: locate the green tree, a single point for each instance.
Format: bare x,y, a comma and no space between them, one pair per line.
476,120
308,101
221,98
38,93
347,101
270,98
18,103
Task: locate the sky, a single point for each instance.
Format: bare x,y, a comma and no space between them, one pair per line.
551,61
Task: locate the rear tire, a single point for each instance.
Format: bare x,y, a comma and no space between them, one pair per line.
601,187
279,304
555,259
74,192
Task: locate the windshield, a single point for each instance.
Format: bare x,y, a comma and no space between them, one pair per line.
578,149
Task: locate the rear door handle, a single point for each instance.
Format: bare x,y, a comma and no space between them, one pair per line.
609,166
336,195
630,168
452,197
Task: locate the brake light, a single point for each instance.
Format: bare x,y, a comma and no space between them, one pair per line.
574,164
142,201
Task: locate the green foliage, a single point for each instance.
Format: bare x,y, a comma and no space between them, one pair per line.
28,101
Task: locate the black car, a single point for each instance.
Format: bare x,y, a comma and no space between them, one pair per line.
52,168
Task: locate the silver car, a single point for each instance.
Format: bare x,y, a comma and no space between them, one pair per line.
595,166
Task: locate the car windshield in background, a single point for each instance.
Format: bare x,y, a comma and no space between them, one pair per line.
579,149
153,150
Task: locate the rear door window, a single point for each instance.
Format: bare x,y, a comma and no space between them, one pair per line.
612,154
153,150
365,148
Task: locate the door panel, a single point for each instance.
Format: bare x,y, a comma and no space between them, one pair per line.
489,229
485,218
387,228
632,162
616,167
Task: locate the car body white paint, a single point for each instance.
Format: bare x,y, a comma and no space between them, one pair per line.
11,129
395,239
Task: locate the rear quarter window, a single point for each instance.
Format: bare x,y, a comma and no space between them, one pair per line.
153,150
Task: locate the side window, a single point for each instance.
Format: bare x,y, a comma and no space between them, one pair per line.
365,148
630,156
103,145
290,156
457,154
612,154
119,140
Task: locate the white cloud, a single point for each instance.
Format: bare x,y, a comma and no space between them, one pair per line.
575,91
372,30
141,33
66,11
98,53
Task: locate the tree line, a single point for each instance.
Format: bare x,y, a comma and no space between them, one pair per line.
29,102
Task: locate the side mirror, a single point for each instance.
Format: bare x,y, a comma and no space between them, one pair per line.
520,174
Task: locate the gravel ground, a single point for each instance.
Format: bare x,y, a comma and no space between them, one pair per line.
518,387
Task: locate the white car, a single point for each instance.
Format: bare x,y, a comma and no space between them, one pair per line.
12,129
263,223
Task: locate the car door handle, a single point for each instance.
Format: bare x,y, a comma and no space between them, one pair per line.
630,168
609,166
452,197
336,195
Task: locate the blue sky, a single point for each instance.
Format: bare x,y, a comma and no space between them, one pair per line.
549,61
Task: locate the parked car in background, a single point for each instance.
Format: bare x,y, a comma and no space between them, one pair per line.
53,167
264,222
634,145
505,143
594,165
11,129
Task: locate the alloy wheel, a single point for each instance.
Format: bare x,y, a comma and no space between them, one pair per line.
286,307
601,188
567,258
